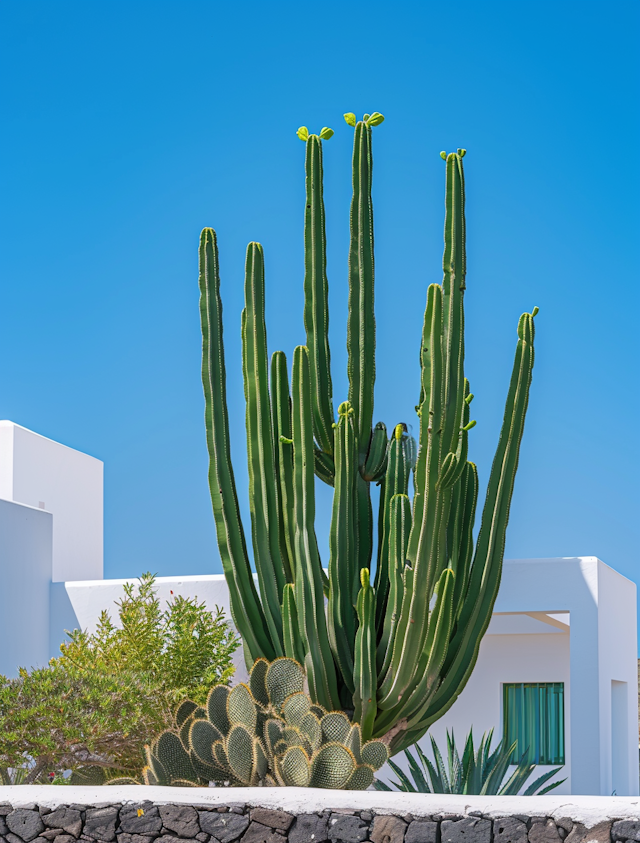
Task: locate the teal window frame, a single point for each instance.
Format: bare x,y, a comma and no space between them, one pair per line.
533,717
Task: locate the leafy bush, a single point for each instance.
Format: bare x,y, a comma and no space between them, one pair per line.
94,707
476,773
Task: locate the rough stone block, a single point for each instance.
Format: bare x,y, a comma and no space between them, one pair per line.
3,826
387,830
100,823
258,833
201,837
274,819
26,824
421,831
13,838
546,832
126,837
171,838
182,820
347,829
309,828
65,838
67,819
224,827
467,830
509,830
600,833
140,819
626,830
49,834
565,823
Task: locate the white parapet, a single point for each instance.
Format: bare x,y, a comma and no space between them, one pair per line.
46,475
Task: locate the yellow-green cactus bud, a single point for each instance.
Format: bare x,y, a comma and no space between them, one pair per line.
326,133
443,155
303,133
350,119
535,312
375,119
364,577
462,152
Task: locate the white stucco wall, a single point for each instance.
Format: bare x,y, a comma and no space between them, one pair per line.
44,474
25,577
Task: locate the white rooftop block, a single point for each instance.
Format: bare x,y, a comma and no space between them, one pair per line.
46,475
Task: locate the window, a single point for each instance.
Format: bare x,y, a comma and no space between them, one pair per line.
533,715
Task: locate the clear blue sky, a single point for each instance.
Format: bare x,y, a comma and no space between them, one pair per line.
128,126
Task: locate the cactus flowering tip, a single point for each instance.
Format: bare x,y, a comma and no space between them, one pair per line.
462,152
326,133
303,133
470,425
443,155
350,118
469,398
374,119
364,577
535,312
343,408
399,431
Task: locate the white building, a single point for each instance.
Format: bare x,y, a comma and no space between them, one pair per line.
559,660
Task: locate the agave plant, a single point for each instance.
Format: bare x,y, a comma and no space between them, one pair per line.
476,773
266,733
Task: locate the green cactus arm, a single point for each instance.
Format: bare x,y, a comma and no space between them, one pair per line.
263,498
410,704
428,519
309,596
399,526
341,617
316,298
375,464
246,609
486,569
460,532
427,351
324,466
453,285
484,580
396,483
283,450
293,648
361,327
364,698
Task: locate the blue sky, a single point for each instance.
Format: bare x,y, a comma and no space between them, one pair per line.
129,126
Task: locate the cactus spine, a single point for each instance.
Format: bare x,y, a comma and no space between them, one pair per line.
393,653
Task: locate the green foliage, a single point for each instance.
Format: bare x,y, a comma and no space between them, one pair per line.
477,773
181,650
395,650
267,733
93,708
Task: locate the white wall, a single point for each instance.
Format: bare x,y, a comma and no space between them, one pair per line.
25,577
44,474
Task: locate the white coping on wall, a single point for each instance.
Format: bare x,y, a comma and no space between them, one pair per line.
588,810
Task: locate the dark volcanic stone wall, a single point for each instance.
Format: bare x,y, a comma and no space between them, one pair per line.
145,822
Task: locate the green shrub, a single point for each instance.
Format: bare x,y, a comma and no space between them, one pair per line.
94,707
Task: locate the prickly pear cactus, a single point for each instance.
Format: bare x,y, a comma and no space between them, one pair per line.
268,732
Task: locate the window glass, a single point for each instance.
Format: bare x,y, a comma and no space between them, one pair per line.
533,715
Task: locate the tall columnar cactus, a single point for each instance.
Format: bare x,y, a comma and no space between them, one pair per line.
393,651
